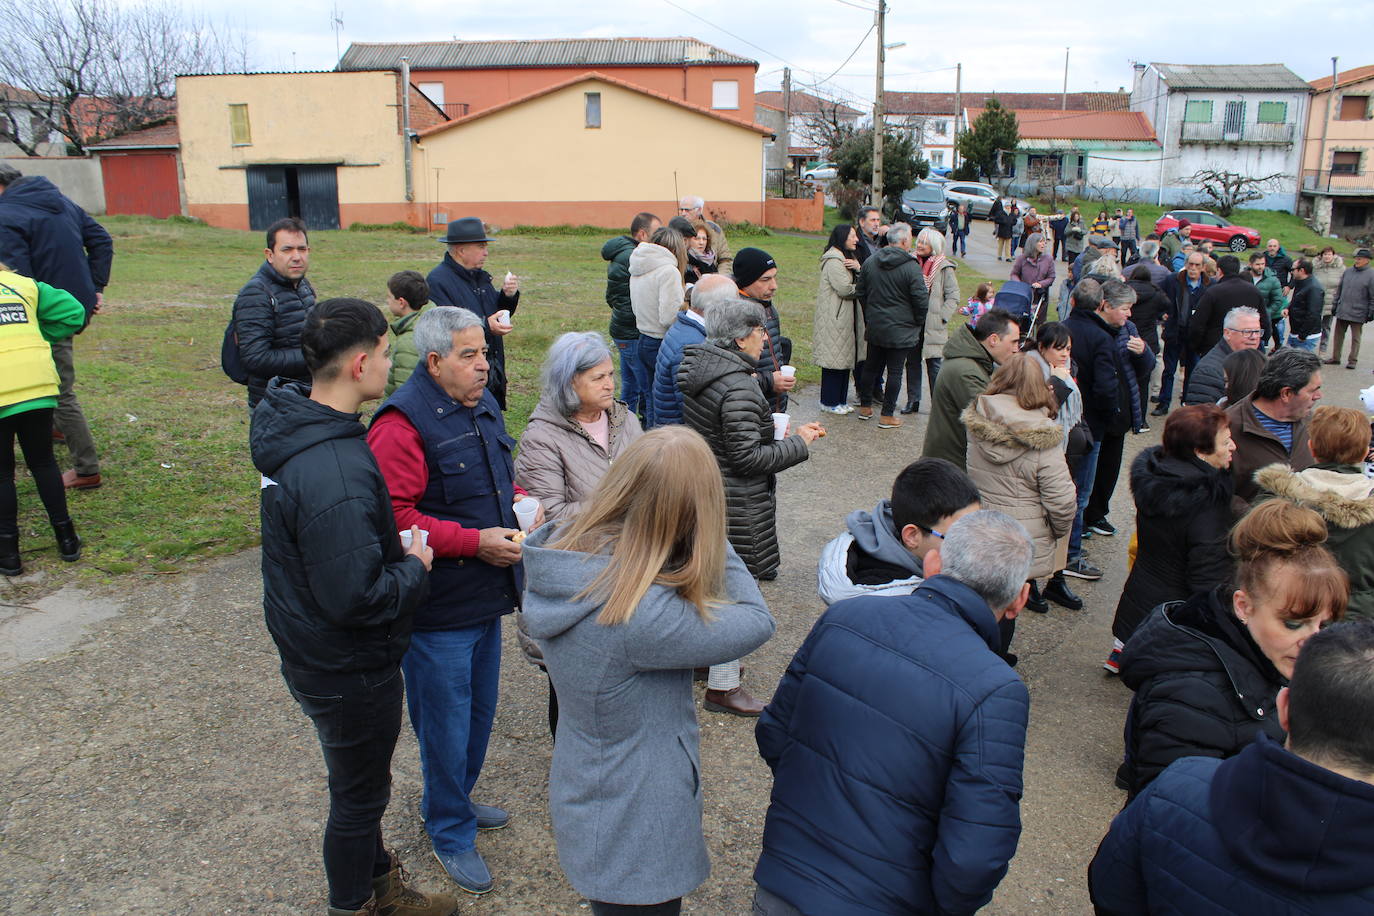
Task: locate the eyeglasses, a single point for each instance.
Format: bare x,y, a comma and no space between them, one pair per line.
933,532
1246,332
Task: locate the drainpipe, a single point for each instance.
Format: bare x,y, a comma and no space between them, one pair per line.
405,129
1164,147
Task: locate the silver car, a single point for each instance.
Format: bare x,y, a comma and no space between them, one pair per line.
974,195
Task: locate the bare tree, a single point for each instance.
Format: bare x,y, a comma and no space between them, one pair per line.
89,69
1114,188
1229,190
826,128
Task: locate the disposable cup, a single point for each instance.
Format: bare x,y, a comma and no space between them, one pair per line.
503,316
405,539
780,421
525,511
788,371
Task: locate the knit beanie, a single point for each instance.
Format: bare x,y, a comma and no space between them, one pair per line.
750,264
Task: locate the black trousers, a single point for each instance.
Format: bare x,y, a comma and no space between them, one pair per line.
357,717
1104,484
877,361
666,908
33,429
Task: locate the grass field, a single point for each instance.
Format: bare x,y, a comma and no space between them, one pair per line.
173,431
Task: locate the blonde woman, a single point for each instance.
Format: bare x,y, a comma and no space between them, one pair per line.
627,598
656,295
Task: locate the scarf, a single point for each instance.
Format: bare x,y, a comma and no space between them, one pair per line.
707,257
1071,411
929,267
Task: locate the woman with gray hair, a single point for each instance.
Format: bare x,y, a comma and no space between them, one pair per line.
577,429
722,400
943,289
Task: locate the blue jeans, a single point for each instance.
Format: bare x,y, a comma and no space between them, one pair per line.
632,388
1083,481
648,357
1280,332
960,245
1305,343
452,677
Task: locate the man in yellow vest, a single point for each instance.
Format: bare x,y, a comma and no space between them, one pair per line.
32,316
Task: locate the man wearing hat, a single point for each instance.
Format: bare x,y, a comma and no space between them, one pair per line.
459,280
1171,243
756,275
1354,306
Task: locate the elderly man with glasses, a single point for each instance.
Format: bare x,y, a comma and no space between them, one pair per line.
1240,331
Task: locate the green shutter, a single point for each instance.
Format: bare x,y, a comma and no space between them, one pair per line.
1273,112
1198,112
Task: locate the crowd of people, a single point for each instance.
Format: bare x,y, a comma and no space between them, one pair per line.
630,536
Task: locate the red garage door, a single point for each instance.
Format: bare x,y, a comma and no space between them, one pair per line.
141,183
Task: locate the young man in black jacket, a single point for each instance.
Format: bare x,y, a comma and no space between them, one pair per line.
270,310
339,592
1305,307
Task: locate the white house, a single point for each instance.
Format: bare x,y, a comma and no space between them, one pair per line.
1245,118
1109,153
810,127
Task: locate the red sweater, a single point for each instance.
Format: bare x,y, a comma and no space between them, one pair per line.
401,456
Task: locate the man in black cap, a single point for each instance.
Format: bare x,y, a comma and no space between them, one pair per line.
459,280
1354,306
756,275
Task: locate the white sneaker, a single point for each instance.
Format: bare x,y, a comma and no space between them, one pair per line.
841,409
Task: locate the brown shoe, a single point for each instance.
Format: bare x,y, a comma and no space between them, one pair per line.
57,435
1331,362
394,898
865,413
74,481
369,909
889,422
736,702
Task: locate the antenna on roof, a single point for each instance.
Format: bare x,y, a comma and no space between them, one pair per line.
336,23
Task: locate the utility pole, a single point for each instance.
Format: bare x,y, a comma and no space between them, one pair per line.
958,111
1064,99
876,197
1321,150
785,135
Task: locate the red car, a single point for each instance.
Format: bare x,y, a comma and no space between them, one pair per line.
1210,226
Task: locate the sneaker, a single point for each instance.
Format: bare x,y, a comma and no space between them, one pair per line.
1082,568
865,413
889,422
1058,591
1113,662
468,871
1102,527
1161,411
840,409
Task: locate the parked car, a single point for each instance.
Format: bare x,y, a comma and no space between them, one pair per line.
820,171
1210,226
923,205
974,195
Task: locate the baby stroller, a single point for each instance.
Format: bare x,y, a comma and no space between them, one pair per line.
1015,297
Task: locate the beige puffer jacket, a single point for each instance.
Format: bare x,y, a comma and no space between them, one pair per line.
1015,460
560,465
837,335
944,302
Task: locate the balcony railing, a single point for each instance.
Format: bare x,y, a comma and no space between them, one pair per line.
455,110
1338,182
1217,132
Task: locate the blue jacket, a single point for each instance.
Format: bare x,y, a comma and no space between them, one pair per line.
667,398
46,237
1264,833
451,283
472,482
896,741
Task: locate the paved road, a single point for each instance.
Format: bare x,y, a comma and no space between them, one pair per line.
155,763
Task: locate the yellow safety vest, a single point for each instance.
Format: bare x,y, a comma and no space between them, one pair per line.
26,358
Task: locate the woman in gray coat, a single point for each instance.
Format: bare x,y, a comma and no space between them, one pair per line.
627,598
722,400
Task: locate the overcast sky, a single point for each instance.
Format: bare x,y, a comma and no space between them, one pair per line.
1003,45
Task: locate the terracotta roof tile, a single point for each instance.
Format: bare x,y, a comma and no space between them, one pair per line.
803,103
163,134
1043,124
1343,78
942,103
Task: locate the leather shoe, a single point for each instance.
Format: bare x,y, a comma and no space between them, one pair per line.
1035,602
468,871
490,818
736,702
1058,591
74,481
912,407
1161,411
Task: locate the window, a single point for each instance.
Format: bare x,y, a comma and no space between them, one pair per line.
593,109
1354,215
1198,112
1345,163
725,94
1353,108
942,127
432,91
1272,112
1233,119
240,134
937,158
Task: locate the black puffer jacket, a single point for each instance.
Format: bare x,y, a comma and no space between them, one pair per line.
338,591
1207,382
1305,308
268,316
722,401
617,252
894,298
1151,307
1202,687
1183,514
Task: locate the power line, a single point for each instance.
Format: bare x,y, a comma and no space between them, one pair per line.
851,53
718,28
858,6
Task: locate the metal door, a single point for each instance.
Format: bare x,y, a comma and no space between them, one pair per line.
319,191
1233,120
267,197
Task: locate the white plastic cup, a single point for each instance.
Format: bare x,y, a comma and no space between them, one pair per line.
780,423
788,371
405,539
525,512
503,316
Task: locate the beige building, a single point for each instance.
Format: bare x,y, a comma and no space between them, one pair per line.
1338,155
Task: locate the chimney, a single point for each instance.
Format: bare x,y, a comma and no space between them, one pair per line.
1139,69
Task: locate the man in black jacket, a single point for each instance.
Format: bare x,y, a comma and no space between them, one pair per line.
1305,307
460,281
894,298
1231,291
270,310
1241,331
339,592
46,237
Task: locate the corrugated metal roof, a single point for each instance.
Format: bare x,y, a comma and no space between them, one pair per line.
559,52
1230,76
1040,124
